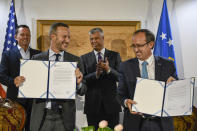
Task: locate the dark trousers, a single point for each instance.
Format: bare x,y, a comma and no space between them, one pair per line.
138,123
151,124
94,119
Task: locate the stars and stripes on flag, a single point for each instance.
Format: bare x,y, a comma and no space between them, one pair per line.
10,41
164,41
2,91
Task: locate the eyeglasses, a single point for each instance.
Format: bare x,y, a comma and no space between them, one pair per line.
139,46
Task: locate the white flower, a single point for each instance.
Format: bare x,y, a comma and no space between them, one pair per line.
103,124
118,127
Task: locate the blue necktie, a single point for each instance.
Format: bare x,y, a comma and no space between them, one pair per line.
144,70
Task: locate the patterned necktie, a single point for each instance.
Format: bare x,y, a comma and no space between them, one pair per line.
144,70
99,56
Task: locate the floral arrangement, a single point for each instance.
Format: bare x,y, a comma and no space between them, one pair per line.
103,126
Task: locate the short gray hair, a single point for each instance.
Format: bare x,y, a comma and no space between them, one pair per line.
94,30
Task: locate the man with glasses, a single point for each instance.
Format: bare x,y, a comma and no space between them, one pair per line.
156,68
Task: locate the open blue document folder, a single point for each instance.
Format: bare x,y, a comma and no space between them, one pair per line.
48,79
160,99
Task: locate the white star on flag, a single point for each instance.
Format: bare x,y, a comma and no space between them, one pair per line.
10,31
14,44
10,35
170,42
163,36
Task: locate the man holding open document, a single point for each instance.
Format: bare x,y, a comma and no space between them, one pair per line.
147,66
52,114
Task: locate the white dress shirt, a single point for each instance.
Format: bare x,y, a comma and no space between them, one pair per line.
102,54
150,67
25,54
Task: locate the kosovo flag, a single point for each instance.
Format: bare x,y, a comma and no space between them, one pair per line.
164,42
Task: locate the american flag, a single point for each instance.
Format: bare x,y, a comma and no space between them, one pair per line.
10,41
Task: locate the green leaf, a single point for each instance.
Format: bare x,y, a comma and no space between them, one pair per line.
105,129
88,128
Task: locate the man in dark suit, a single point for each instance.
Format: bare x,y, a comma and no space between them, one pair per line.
100,72
157,68
57,115
10,67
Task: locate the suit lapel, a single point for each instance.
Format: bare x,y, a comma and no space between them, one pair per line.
93,58
157,68
107,54
136,67
31,52
46,55
66,57
17,52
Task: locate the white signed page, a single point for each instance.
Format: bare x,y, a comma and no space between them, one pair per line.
149,96
62,82
179,97
36,75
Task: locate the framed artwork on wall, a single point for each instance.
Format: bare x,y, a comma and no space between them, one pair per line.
117,35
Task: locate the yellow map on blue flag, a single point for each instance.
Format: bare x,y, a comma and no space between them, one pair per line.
164,41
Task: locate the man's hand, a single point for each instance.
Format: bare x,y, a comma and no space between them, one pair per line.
103,65
99,70
129,104
19,80
170,79
79,76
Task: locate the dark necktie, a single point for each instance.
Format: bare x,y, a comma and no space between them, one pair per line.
144,70
57,57
99,56
54,103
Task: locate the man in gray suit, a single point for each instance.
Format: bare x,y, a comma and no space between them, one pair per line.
57,115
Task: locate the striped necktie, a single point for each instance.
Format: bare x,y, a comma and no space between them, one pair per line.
99,56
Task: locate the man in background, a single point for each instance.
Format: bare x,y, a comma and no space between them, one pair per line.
100,72
57,115
148,66
10,68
